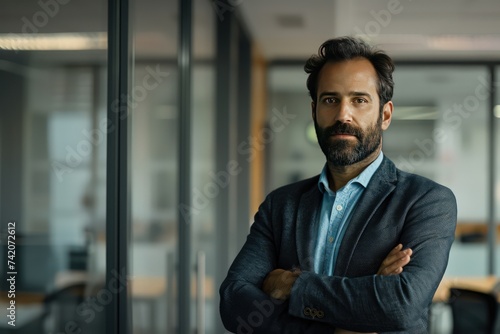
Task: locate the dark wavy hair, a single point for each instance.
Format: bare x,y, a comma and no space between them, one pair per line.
347,48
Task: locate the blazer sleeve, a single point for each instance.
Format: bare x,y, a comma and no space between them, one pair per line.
244,307
387,303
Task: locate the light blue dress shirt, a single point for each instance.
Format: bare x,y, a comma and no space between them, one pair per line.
336,211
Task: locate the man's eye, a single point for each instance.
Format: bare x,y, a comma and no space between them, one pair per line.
360,100
329,100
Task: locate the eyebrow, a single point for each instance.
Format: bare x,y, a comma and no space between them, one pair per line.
353,93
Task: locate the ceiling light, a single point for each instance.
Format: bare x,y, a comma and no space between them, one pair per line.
496,111
54,42
414,113
464,42
448,42
311,133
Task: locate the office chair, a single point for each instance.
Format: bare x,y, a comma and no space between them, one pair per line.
473,311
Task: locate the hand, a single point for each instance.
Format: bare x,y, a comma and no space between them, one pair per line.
278,283
395,261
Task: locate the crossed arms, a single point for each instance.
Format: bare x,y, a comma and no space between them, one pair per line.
279,282
393,300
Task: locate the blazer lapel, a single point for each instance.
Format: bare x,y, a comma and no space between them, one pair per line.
380,186
307,226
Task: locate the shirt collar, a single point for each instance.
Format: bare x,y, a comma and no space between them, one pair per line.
363,178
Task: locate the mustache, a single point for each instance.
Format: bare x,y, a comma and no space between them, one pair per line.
343,128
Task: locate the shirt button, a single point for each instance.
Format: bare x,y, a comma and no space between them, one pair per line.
330,239
339,207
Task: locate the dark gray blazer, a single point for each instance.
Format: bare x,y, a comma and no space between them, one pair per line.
396,207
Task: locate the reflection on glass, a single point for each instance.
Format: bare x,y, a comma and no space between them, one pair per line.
53,165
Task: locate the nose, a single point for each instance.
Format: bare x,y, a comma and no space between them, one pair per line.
344,112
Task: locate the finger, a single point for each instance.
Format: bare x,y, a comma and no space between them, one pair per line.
282,287
401,262
286,275
271,280
394,258
268,286
278,294
276,272
395,250
396,267
398,253
409,251
393,255
278,279
388,268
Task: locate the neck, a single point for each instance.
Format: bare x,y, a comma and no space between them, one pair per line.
338,176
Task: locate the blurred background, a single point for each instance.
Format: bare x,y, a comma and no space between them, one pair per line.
249,131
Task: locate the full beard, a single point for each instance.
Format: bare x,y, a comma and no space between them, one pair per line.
345,152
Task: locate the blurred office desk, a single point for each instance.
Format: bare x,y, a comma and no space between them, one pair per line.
23,297
29,308
141,286
149,290
481,284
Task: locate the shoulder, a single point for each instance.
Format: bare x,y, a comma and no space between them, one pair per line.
419,185
294,191
285,200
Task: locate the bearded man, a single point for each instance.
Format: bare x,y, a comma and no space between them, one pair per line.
361,247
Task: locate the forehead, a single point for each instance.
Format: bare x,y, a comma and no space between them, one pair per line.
352,75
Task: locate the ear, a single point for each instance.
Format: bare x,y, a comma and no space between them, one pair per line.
387,115
313,110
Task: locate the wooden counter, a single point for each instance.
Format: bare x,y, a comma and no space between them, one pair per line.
482,284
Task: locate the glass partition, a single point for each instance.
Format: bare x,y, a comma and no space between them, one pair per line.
204,301
496,112
153,118
294,153
440,130
53,65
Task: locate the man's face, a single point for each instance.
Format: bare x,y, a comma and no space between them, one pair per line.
347,115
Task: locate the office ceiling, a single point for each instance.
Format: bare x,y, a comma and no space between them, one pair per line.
451,29
293,29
